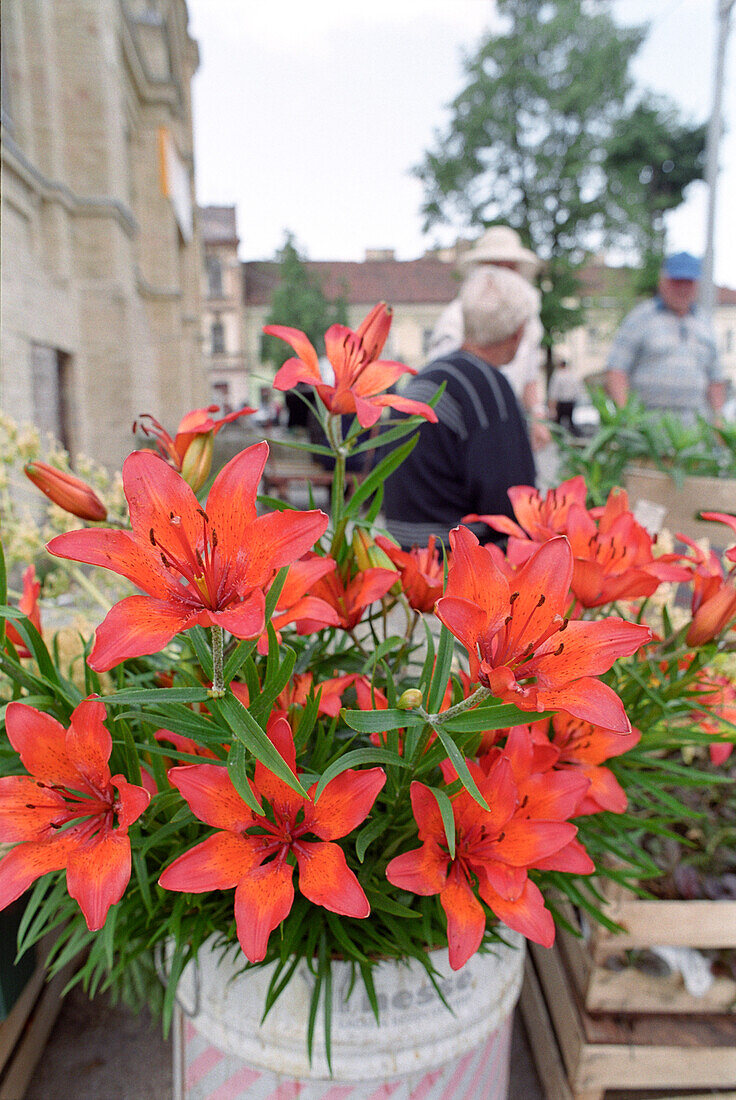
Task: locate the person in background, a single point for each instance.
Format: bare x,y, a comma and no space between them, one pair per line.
665,350
501,246
479,448
565,390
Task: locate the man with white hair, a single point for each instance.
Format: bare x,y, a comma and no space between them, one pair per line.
479,448
501,246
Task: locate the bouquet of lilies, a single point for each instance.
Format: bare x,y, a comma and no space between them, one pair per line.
304,742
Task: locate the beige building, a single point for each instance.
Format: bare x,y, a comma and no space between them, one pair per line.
222,308
100,245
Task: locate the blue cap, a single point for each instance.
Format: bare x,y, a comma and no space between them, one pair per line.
682,265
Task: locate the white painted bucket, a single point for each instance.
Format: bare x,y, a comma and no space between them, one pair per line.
223,1047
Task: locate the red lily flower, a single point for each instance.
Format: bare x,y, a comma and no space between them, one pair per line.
190,452
69,812
713,602
250,852
349,600
539,519
584,747
519,642
294,605
717,692
360,376
491,846
420,569
28,604
613,557
196,566
194,423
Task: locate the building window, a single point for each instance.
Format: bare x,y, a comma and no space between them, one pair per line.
426,341
217,333
51,384
214,277
221,393
728,347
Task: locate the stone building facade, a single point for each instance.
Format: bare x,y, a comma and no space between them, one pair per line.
101,251
222,308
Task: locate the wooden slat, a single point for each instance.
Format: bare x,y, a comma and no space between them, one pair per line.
33,1039
542,1041
14,1023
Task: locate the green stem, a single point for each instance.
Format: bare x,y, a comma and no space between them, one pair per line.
473,700
218,676
85,583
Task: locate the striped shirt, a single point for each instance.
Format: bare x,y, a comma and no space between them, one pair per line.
669,360
467,461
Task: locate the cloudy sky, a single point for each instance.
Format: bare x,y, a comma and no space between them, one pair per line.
310,115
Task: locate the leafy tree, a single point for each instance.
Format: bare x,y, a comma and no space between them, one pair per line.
298,301
651,157
534,134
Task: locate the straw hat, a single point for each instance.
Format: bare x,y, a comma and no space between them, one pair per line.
502,244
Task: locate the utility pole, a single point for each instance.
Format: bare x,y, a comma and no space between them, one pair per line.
707,286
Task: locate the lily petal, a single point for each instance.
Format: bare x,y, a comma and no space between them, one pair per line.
117,551
89,742
40,742
263,898
466,921
27,862
345,802
422,871
212,797
218,863
325,879
231,504
136,626
97,873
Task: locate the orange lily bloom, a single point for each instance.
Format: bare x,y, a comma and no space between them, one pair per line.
68,492
520,644
584,747
294,604
613,557
420,569
539,518
28,604
194,423
360,376
69,812
349,600
494,847
251,852
195,566
718,694
713,603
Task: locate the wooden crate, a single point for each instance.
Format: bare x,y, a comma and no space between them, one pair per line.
698,924
677,507
611,1051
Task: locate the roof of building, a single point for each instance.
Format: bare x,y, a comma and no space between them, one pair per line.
218,224
424,281
428,281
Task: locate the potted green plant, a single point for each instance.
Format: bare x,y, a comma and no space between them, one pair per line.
274,786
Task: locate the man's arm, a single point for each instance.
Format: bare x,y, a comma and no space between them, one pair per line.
617,386
624,353
716,396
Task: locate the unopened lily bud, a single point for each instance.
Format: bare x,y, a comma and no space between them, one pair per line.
713,616
69,492
411,698
197,462
361,545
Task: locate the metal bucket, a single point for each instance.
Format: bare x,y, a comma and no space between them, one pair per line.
223,1051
